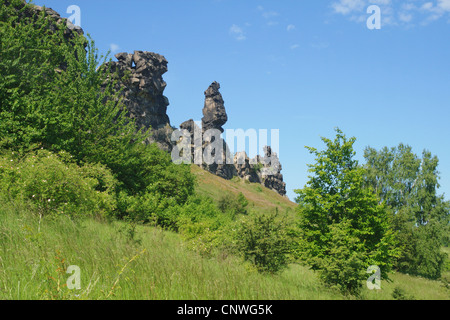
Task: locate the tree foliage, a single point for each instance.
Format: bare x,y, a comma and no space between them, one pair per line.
53,95
408,185
344,229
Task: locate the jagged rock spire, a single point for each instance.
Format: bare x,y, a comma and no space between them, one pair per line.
214,113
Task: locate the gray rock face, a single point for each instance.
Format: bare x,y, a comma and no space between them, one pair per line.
244,169
195,133
271,172
214,117
265,170
214,114
140,79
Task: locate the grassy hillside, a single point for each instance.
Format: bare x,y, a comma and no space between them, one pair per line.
259,197
120,261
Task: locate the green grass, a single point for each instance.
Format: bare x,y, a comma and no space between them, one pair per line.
153,264
260,198
35,253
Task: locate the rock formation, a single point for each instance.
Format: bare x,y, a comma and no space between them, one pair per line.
140,79
271,172
244,169
265,170
195,133
214,117
138,76
214,114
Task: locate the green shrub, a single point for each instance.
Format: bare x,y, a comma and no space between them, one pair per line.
232,204
201,224
55,186
421,249
257,167
264,240
400,294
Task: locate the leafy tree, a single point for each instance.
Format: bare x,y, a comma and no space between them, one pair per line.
52,94
51,91
343,228
407,184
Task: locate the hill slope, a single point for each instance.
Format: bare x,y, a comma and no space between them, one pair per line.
119,261
259,197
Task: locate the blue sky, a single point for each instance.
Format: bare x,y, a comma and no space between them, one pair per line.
304,67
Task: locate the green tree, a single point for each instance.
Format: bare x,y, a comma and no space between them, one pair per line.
408,185
344,229
52,94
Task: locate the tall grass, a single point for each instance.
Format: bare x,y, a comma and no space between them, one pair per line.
118,262
122,261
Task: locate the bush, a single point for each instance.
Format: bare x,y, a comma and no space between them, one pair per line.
201,224
264,240
400,294
232,204
55,186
